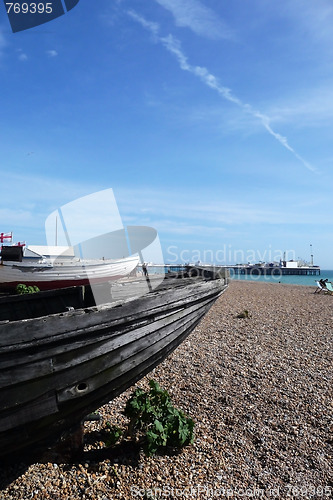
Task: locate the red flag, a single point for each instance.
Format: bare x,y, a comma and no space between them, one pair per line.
6,236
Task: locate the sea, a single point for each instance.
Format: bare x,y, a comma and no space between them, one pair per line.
289,280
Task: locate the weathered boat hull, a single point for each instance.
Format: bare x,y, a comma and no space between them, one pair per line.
56,369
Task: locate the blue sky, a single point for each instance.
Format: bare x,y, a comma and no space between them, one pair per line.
210,119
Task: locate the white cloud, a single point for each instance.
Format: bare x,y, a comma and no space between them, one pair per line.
16,217
149,25
22,56
52,53
312,107
208,211
199,18
313,18
178,212
174,47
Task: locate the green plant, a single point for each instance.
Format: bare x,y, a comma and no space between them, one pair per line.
154,414
113,434
243,314
22,289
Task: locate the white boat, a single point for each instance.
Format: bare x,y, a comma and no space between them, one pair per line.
87,244
58,267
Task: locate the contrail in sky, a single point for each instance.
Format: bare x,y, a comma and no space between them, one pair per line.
174,47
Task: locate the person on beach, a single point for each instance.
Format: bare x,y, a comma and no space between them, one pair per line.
144,269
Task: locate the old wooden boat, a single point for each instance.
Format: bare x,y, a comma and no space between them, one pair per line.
56,368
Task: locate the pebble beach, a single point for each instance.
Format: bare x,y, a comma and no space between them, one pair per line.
259,389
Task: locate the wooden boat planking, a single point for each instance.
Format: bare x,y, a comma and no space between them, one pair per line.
56,369
34,305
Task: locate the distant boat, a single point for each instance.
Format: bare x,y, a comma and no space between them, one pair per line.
57,267
74,357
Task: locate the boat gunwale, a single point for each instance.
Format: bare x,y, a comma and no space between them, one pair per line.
91,319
